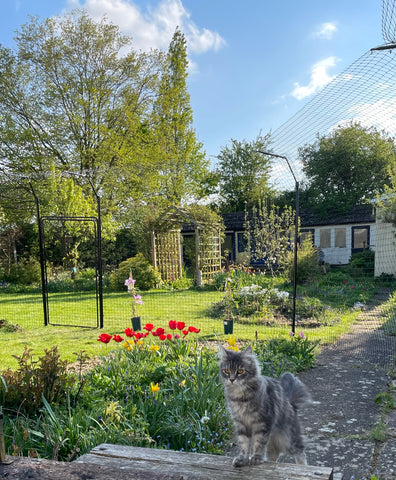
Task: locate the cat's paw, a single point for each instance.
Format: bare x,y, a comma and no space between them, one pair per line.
240,461
257,459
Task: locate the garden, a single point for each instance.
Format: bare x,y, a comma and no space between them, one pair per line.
158,386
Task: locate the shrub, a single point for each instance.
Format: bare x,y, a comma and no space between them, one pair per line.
26,272
240,276
307,262
142,271
25,388
361,263
85,280
279,355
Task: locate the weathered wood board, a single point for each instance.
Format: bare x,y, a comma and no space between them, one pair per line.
195,466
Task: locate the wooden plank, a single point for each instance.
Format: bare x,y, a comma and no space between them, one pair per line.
197,466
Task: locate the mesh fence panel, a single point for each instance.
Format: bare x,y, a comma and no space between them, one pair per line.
364,93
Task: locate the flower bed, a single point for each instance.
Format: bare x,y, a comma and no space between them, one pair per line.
156,388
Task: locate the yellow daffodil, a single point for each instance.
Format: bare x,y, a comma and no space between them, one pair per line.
235,348
231,340
154,388
182,383
154,348
128,345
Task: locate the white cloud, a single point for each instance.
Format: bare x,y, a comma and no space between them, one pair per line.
325,30
319,78
153,27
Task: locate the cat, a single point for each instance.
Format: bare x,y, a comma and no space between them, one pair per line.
263,409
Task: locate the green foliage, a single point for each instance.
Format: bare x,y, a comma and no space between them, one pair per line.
268,233
386,401
24,388
182,163
307,262
280,355
25,272
388,312
142,271
361,264
243,174
322,300
165,395
349,166
124,120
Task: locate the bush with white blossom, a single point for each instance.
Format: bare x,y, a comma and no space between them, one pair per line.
253,298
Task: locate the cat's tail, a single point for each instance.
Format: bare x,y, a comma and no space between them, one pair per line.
295,390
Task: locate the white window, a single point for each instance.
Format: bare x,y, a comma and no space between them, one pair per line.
325,238
340,237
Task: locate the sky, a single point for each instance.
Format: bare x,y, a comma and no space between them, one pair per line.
253,63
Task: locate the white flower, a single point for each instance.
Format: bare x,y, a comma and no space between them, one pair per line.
205,418
358,305
252,290
280,294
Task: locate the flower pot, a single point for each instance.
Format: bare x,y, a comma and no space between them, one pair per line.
136,323
228,326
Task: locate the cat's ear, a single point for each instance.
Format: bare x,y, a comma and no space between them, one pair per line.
221,351
248,350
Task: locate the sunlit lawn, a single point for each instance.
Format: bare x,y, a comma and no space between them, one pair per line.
72,309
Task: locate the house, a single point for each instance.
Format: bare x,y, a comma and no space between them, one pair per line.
338,236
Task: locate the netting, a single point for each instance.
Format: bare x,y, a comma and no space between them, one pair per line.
364,93
389,21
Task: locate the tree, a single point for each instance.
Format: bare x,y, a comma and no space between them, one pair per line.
243,174
350,166
268,234
76,97
184,167
70,100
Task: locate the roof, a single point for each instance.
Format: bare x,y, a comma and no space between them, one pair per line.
357,214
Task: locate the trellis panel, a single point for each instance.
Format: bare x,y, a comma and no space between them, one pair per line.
168,255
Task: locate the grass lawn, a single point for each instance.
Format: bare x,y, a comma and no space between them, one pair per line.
190,306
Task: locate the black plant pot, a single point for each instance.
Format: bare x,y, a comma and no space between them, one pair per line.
136,323
228,326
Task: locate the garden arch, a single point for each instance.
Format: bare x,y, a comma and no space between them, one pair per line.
167,245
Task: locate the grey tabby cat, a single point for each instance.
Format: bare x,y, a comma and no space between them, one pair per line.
264,410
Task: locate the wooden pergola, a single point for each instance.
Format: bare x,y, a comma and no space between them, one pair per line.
166,242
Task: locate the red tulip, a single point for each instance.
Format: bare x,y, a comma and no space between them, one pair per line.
172,324
104,338
117,338
180,325
185,332
169,336
158,332
194,330
129,332
162,337
149,327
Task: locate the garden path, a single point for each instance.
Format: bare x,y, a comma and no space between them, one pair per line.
344,419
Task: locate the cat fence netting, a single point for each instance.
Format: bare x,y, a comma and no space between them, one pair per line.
364,94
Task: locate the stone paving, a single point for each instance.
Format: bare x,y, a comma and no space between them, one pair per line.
340,424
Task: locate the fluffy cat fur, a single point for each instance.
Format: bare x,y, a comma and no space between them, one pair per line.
263,410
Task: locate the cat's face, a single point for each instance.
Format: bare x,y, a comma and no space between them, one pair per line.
237,367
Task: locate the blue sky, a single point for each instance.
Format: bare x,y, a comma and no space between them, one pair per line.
254,63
